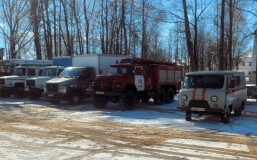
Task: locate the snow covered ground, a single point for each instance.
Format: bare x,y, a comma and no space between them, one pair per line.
164,116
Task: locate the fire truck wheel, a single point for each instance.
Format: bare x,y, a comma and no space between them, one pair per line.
170,96
128,100
99,102
225,117
34,95
75,98
6,94
19,92
188,115
160,97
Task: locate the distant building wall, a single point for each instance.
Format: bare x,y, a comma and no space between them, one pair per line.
245,64
254,52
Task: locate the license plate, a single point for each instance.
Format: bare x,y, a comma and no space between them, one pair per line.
197,109
50,95
97,92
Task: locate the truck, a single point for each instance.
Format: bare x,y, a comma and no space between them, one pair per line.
14,84
137,79
213,92
35,85
73,82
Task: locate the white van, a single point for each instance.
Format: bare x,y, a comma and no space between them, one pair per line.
213,92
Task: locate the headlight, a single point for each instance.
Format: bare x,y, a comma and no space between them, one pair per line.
184,97
214,98
118,85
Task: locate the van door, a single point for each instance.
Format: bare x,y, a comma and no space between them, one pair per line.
230,92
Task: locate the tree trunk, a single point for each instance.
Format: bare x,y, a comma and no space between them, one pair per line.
195,38
230,38
188,38
221,48
35,21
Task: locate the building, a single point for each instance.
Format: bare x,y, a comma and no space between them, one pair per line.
245,64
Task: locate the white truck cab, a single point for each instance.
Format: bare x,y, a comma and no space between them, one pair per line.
35,85
14,84
213,92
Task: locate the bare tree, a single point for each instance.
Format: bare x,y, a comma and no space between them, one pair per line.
221,43
188,38
17,27
35,18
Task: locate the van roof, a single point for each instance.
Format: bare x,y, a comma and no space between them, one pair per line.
213,73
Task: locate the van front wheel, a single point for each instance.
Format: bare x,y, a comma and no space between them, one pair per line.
188,115
225,117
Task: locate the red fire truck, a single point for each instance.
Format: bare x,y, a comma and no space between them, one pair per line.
133,80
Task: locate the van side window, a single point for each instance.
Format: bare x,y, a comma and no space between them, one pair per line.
237,79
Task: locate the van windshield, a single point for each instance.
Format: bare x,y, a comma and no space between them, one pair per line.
215,82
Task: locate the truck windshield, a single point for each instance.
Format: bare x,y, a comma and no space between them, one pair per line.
215,82
31,72
49,72
121,70
71,72
19,71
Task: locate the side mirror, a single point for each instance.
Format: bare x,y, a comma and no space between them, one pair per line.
231,83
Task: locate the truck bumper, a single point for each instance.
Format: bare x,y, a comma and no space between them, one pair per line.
200,109
55,96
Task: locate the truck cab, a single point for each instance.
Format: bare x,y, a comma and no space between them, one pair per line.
219,92
14,84
70,85
35,85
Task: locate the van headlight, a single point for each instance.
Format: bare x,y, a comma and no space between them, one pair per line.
184,97
214,98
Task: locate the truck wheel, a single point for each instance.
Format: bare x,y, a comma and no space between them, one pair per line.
54,102
34,95
188,115
128,100
19,92
75,98
99,102
170,96
160,97
6,94
225,117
